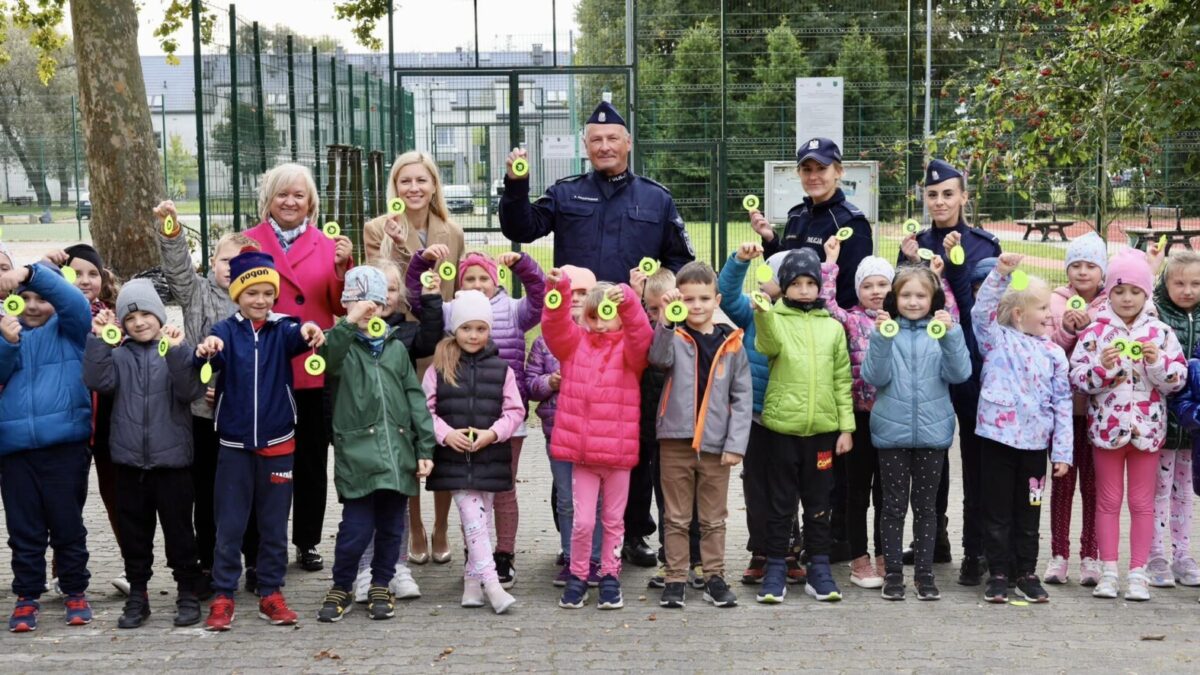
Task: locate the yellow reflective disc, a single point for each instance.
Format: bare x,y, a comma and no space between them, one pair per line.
447,271
206,373
14,305
553,299
1077,303
750,202
889,329
168,226
910,226
936,329
957,255
520,167
332,229
164,345
314,365
764,274
676,312
111,334
648,266
607,310
844,233
69,274
1020,280
396,205
759,298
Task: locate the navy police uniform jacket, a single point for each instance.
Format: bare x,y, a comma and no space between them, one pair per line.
977,244
604,223
809,225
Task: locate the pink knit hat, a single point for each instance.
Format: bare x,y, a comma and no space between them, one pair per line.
1129,266
480,260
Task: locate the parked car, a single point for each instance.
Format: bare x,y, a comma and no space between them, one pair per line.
458,199
83,208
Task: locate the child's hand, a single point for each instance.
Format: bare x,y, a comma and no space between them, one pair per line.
1110,356
483,438
833,248
57,257
944,316
616,294
881,317
457,440
164,209
103,318
730,459
762,226
436,252
173,334
670,296
12,279
357,311
424,468
1061,469
1075,320
1008,262
1150,353
210,397
10,327
508,259
554,276
1154,257
749,251
637,281
209,347
937,266
396,228
312,334
909,248
845,443
555,380
343,249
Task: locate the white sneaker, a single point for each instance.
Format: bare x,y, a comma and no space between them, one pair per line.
1089,572
1108,586
1056,571
472,593
1186,571
402,585
122,585
1139,585
362,584
1158,572
499,598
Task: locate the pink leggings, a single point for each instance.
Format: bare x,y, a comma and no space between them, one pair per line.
1062,499
588,483
1111,467
1173,505
506,505
475,512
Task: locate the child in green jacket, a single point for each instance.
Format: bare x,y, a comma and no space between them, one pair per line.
809,412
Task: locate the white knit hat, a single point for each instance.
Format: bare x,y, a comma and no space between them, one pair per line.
774,262
469,306
873,266
1088,248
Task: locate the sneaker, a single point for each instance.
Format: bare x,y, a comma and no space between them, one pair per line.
135,612
1160,574
1108,585
564,573
862,573
362,584
593,579
696,576
79,612
754,571
472,593
659,580
1138,589
336,605
774,583
970,573
121,584
893,586
674,595
310,560
819,582
610,593
926,588
380,604
1030,588
24,616
505,569
252,580
997,590
717,592
795,571
638,553
402,585
187,609
561,558
498,598
1186,571
220,614
274,609
1089,572
575,595
1056,570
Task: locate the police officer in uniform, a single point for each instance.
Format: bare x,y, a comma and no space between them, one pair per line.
977,243
822,213
605,220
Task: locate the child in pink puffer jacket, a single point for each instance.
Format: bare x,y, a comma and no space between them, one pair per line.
597,423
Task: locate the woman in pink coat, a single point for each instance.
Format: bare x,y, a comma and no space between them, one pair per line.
596,426
312,271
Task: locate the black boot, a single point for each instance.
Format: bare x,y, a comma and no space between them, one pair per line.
941,548
971,572
187,609
136,611
636,552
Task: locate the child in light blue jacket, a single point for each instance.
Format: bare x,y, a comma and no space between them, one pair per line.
911,360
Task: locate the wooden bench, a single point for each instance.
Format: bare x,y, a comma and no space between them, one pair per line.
19,201
1175,234
1043,224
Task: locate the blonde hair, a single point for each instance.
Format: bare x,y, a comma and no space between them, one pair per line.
389,267
1179,260
660,282
437,202
445,359
241,240
1022,299
591,302
908,273
280,177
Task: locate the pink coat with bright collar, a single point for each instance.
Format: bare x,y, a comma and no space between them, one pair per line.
309,288
599,402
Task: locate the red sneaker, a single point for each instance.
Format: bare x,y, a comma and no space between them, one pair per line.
274,608
220,614
796,573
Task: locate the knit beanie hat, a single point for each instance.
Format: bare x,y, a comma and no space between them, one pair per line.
982,269
365,283
774,262
84,252
481,260
1088,248
138,295
1129,266
873,266
799,263
469,306
250,267
581,278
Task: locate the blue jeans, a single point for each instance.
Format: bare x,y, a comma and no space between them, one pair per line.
561,471
248,481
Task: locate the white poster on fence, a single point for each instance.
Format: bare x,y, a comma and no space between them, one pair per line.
860,183
819,108
561,147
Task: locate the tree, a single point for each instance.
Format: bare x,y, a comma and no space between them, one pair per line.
181,167
274,40
248,144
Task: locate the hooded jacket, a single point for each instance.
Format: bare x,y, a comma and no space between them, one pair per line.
736,306
1186,325
1063,336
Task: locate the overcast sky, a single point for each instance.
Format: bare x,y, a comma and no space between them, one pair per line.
421,25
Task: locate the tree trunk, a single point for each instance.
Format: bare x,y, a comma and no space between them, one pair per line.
64,186
123,165
35,174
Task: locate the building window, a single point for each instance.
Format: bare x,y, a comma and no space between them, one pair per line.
155,100
445,138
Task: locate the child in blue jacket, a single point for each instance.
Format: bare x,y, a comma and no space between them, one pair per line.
45,422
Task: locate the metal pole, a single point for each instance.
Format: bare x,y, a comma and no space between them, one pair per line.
367,109
75,150
234,121
553,34
316,121
475,13
350,101
292,99
514,137
391,80
258,94
908,115
166,177
722,149
928,85
333,96
197,75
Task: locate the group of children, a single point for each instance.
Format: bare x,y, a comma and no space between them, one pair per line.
792,385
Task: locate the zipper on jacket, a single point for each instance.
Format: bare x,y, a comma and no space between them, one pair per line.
471,408
812,381
912,373
387,427
146,415
255,331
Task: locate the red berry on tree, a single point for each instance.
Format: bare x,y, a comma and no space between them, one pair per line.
1046,72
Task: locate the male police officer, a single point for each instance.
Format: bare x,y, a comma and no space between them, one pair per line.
605,220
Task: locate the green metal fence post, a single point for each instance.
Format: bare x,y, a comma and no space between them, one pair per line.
367,110
163,123
234,107
75,150
316,121
333,96
258,95
291,66
391,80
350,100
514,139
197,73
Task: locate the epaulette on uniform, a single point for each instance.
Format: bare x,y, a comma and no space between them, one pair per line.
570,179
656,184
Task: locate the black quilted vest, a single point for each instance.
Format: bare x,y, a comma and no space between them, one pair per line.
476,402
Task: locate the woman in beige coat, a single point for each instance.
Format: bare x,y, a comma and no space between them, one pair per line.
415,179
